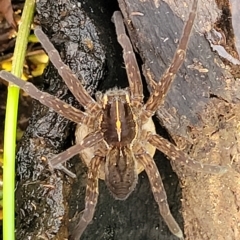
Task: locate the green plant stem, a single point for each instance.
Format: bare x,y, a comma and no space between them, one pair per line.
11,123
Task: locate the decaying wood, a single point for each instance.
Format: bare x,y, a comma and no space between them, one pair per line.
200,114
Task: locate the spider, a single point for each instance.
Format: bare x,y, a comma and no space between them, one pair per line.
116,135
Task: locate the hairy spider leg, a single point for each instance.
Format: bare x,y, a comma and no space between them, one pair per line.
133,73
159,193
65,72
90,199
176,154
89,141
59,106
161,89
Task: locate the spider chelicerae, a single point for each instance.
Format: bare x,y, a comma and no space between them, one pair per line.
116,136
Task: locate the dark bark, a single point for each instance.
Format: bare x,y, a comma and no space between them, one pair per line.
200,112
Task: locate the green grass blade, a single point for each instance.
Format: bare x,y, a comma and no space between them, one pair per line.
11,123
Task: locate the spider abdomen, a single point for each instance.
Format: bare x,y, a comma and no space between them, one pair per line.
120,172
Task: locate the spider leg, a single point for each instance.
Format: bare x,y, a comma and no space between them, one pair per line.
65,72
176,154
159,193
158,96
133,73
90,199
64,109
89,141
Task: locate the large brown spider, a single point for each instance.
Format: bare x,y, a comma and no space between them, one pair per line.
116,135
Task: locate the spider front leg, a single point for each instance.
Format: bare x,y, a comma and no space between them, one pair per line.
65,72
62,108
90,199
176,154
133,73
159,193
158,96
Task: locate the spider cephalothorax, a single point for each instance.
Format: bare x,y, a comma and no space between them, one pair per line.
116,137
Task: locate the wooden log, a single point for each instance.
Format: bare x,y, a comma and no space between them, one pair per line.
200,112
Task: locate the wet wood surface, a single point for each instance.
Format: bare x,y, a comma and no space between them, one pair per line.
200,114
